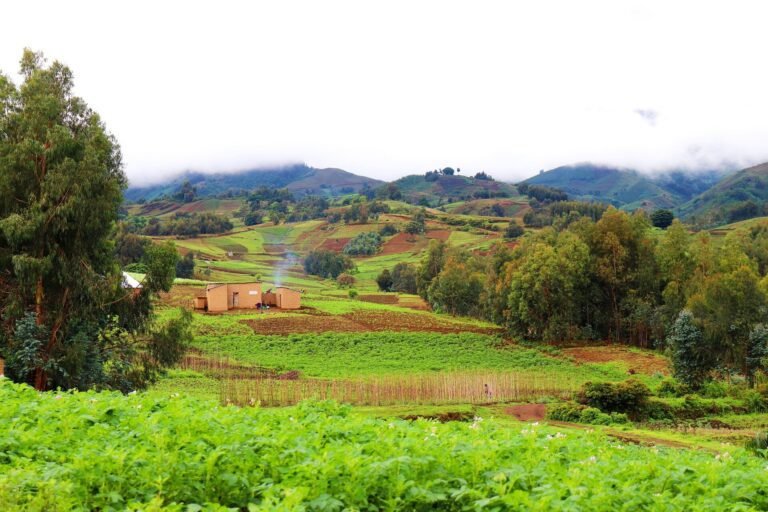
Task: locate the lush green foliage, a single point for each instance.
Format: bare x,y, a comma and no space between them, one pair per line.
188,224
67,319
107,452
327,263
662,218
363,244
628,397
578,413
369,353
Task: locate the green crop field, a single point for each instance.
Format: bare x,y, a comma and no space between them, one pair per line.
102,451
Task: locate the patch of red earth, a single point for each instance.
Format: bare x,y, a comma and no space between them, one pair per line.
528,412
647,363
361,321
401,242
379,299
439,234
334,244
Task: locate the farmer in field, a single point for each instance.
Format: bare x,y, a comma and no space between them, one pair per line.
488,392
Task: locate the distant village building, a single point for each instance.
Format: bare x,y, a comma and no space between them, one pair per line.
131,283
225,296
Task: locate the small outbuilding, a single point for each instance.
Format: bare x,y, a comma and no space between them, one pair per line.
225,296
283,298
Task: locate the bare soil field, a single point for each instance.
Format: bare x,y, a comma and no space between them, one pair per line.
638,362
361,321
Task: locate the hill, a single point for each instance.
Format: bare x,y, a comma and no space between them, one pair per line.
437,188
626,188
299,179
740,196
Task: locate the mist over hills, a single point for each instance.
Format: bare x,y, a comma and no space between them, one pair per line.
300,179
627,188
705,197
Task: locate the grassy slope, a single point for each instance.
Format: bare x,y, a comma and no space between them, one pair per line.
747,184
620,187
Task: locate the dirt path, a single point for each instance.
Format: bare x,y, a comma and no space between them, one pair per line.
538,412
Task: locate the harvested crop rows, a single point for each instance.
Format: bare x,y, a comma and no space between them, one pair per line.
362,321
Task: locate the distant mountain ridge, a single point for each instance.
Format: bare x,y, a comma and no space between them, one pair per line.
739,196
299,179
627,188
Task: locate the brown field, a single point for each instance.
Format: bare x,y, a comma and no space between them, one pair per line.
379,299
637,362
334,244
361,321
439,234
403,242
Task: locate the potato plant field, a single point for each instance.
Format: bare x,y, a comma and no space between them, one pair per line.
102,451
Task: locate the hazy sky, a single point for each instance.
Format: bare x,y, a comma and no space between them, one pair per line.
391,88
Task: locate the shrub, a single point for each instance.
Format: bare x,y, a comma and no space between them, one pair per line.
384,281
759,444
628,397
352,294
388,230
671,387
714,389
754,401
514,230
364,244
345,280
576,413
569,411
327,263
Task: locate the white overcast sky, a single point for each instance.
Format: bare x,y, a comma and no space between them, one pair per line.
395,87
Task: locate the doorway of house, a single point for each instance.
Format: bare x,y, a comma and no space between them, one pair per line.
235,299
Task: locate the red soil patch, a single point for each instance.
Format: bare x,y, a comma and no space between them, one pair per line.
528,412
379,299
401,242
334,244
439,234
361,321
646,363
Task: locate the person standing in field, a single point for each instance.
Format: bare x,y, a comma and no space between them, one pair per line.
488,392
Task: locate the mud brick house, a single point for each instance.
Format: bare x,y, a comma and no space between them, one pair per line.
283,298
225,296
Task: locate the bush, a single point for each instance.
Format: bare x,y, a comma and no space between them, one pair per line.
672,388
345,280
714,389
352,294
572,412
514,230
754,401
384,281
327,263
388,230
364,244
629,397
759,444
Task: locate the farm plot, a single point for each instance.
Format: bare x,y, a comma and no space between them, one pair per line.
103,451
363,321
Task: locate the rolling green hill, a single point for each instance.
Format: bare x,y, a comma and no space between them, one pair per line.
299,179
740,196
449,189
626,188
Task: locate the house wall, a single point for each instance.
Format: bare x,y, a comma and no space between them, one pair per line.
217,298
249,294
270,299
288,299
200,302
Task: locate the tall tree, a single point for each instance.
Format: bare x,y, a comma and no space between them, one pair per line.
61,184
